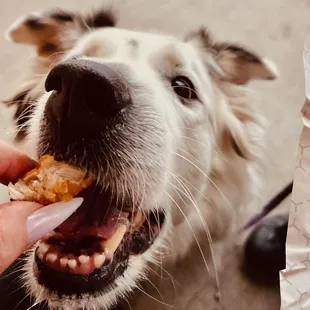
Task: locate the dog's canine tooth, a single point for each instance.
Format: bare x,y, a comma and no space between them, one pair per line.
43,248
64,262
83,259
72,263
111,244
98,260
139,219
51,257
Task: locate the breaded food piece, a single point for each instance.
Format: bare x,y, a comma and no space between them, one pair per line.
51,181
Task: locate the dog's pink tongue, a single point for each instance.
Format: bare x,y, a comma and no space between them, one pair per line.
78,228
95,218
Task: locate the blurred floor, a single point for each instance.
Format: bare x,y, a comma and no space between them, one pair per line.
275,29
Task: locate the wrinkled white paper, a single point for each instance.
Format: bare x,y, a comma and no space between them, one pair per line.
295,279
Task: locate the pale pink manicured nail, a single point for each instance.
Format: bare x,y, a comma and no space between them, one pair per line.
46,219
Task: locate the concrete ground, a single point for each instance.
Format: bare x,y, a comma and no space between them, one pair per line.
275,29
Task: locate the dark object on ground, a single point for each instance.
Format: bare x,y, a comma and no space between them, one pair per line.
264,251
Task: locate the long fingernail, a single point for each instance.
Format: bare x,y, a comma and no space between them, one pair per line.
46,219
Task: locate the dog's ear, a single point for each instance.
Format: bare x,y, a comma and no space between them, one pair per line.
56,31
52,33
236,64
240,65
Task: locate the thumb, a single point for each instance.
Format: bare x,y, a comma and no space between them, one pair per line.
24,223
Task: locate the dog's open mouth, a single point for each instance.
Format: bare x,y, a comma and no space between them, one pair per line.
91,249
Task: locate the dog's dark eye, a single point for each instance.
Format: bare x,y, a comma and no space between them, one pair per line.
184,87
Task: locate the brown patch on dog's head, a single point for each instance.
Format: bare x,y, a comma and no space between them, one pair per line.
52,33
100,18
238,65
56,30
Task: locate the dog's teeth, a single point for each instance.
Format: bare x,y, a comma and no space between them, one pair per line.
64,262
83,259
138,219
43,247
111,244
98,260
72,263
51,257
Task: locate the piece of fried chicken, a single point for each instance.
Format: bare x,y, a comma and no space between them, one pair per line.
51,181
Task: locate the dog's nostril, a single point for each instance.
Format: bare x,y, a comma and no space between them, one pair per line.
53,82
86,94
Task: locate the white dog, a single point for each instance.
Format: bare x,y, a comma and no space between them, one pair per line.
163,125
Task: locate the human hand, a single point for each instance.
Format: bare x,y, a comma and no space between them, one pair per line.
24,223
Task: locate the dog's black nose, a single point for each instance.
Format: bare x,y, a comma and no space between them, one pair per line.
86,93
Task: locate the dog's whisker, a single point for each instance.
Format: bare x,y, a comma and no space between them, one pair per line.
152,297
35,304
187,194
19,282
52,64
213,150
24,114
156,289
206,228
191,229
211,181
19,128
194,157
169,275
197,209
12,102
128,303
156,215
143,198
193,186
16,307
42,304
86,25
13,272
57,53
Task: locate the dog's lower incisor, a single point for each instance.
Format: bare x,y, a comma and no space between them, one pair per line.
164,126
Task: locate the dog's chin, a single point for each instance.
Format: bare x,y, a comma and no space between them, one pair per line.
97,254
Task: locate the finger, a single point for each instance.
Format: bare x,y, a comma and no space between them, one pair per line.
13,234
13,163
23,223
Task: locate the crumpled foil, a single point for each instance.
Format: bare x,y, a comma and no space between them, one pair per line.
295,279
